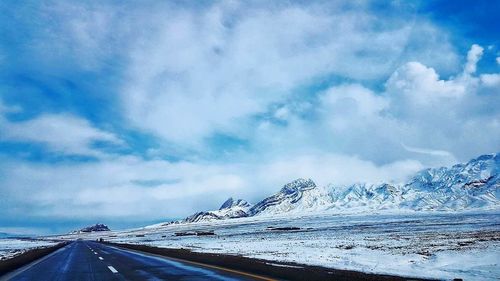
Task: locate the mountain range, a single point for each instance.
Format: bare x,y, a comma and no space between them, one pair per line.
469,186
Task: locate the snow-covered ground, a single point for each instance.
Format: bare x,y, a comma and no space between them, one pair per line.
423,245
10,247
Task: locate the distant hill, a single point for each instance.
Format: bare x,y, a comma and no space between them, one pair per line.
12,235
98,227
5,235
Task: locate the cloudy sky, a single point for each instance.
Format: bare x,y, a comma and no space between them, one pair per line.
132,113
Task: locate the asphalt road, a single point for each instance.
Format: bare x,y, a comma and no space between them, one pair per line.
85,260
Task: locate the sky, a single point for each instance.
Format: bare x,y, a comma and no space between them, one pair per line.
134,112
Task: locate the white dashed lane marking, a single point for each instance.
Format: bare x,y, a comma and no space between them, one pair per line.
100,258
112,269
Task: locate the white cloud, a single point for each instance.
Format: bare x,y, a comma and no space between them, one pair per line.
353,98
112,187
78,36
195,70
422,84
282,113
192,71
199,72
351,134
490,80
7,109
440,153
417,108
443,114
62,133
473,56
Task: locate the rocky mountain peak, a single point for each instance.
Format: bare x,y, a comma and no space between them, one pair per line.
230,202
297,186
93,228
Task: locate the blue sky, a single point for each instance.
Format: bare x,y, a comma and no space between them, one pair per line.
129,113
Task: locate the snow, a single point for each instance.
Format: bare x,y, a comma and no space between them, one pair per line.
10,247
432,245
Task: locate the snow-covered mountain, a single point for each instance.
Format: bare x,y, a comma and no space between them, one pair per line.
298,195
230,209
232,204
473,185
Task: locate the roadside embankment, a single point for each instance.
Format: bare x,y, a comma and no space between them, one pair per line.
278,270
27,257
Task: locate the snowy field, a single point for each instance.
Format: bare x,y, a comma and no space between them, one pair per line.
442,246
10,247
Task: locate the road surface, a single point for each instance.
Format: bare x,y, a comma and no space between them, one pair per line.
85,260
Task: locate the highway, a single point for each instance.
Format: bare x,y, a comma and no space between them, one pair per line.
86,260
